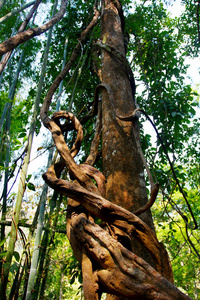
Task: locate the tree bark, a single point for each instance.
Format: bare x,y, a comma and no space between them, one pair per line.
122,163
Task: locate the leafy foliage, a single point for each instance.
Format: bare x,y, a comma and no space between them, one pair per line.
184,252
64,274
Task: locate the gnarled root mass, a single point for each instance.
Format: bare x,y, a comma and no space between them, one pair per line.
107,265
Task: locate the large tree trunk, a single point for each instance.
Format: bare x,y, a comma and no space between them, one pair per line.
122,164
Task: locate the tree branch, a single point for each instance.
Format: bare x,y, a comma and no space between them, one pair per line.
22,37
63,73
15,11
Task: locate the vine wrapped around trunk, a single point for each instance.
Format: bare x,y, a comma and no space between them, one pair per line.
106,251
114,268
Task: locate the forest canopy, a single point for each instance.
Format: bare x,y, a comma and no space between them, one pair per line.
71,79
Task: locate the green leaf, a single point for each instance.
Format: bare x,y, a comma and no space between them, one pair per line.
28,177
17,148
174,114
21,135
16,255
14,268
31,186
2,254
23,221
2,242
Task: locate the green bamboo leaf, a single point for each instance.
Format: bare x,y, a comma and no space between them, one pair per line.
2,242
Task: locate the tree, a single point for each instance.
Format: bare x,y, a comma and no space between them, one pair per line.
109,224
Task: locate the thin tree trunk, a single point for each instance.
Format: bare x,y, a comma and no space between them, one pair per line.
3,116
40,226
15,11
22,37
16,215
51,239
61,84
23,173
34,261
31,232
44,279
11,94
47,241
40,269
9,108
24,262
53,198
5,188
7,56
35,256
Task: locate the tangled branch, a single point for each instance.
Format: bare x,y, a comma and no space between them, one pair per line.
111,258
21,37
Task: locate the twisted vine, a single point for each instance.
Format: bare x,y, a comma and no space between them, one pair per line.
107,265
110,259
86,200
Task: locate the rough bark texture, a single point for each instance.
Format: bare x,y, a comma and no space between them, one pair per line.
122,163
